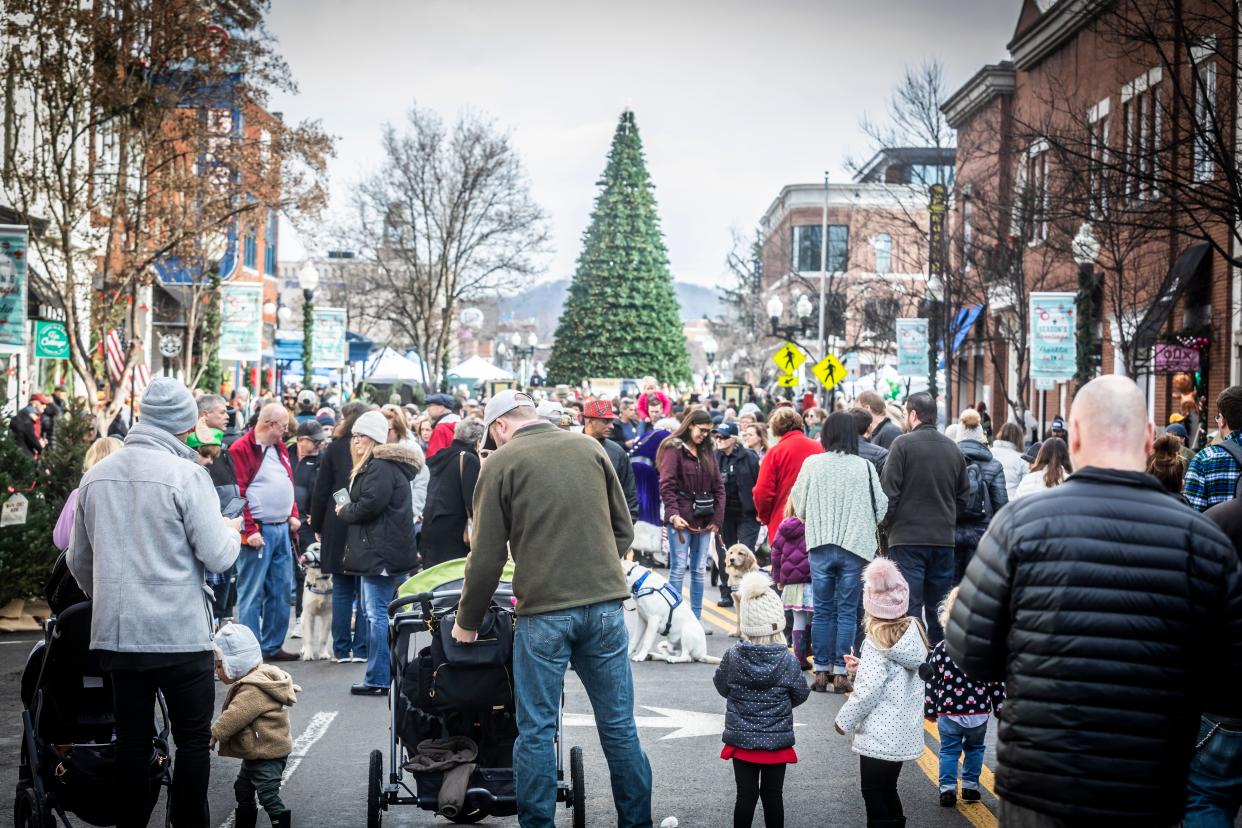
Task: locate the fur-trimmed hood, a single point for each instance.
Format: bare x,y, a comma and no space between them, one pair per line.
400,453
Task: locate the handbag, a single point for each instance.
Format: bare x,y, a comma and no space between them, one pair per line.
881,542
703,504
493,647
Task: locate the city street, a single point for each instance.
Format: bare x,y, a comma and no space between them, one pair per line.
680,719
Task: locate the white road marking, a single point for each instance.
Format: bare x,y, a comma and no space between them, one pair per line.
315,729
685,724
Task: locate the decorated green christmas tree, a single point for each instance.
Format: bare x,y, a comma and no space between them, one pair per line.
26,551
621,318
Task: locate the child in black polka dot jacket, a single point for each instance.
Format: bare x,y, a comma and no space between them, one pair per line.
762,683
960,708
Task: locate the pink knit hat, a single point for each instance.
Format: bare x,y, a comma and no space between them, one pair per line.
885,593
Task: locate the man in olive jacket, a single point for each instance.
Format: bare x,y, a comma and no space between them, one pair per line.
1113,613
552,499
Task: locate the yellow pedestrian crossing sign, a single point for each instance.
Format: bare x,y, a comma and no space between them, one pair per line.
788,358
830,371
787,381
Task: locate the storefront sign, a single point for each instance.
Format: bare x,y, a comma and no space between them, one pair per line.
51,340
13,243
1173,359
1054,353
912,347
241,322
330,348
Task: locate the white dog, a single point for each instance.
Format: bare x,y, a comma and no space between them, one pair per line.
662,612
316,608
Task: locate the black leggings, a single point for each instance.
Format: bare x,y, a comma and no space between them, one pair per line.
879,790
755,782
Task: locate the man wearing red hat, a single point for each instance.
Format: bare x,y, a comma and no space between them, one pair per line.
598,418
27,426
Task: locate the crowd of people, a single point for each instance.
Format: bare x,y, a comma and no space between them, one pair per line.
1089,582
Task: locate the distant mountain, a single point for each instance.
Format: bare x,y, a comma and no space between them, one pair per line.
543,303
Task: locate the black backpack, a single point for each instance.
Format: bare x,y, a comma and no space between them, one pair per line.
979,503
1234,451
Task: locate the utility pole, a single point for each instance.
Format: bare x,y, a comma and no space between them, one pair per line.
823,276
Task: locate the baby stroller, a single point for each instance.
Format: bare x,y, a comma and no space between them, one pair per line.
68,756
438,692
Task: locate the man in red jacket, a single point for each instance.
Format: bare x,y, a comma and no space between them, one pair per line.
441,408
265,566
780,466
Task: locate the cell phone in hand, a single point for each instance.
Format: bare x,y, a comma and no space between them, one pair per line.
341,496
234,507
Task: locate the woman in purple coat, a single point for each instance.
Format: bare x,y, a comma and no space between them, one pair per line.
791,571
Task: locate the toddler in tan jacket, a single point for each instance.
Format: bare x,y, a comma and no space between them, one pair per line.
254,724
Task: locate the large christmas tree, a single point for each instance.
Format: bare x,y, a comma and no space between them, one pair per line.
621,318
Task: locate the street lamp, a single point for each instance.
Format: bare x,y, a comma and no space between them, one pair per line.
709,350
308,280
1085,249
523,349
802,307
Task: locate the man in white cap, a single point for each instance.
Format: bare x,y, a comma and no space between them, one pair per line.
552,499
146,529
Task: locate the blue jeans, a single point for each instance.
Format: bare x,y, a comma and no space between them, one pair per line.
264,585
595,639
345,589
954,741
1214,790
377,592
696,546
928,571
836,583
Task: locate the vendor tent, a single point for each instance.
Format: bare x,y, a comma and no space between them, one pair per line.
476,370
388,367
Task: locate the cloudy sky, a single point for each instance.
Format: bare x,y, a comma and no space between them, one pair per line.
734,98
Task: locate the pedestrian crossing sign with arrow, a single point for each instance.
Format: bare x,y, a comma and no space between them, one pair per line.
787,381
789,358
830,371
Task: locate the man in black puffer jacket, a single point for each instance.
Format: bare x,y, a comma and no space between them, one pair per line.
1112,612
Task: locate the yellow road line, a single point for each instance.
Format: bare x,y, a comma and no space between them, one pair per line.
713,614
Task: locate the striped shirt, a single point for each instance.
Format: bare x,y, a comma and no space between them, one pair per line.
1212,477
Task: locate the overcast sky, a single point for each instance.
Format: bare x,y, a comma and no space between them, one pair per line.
734,98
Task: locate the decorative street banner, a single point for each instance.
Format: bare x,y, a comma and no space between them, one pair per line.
1054,353
51,340
937,207
329,349
912,347
13,243
241,322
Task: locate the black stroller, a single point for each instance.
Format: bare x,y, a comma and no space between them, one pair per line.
432,697
68,756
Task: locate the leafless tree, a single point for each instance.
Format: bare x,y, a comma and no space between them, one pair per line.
446,218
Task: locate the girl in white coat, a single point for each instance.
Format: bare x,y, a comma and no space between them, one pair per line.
885,711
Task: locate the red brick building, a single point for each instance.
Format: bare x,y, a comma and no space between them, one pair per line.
1101,118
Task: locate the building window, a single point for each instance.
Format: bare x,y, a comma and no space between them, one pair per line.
929,174
1141,121
269,244
1205,119
250,247
879,316
806,247
1098,162
1036,195
968,230
883,243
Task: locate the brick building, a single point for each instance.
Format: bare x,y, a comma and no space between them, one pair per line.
876,253
1097,123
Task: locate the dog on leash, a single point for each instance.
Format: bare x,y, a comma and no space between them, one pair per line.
739,562
661,611
316,608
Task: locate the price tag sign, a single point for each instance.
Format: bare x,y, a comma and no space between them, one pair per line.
13,512
830,371
789,358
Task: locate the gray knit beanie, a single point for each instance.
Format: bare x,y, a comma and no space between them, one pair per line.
168,405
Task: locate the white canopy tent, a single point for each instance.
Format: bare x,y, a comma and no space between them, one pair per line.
387,366
480,370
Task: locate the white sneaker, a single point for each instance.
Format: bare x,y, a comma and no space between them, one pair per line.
357,660
297,629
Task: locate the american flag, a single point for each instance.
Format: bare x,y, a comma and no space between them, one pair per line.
114,354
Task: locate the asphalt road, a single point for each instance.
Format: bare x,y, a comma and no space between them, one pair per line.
680,718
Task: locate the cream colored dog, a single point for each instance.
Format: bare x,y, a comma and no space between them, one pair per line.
316,608
739,562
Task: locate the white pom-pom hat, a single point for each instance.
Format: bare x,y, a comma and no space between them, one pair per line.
763,613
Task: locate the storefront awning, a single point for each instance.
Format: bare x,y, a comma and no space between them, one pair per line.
1187,266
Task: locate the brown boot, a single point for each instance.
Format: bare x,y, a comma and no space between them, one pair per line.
841,684
821,683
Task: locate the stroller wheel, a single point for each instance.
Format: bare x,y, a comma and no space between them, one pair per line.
375,781
29,810
577,778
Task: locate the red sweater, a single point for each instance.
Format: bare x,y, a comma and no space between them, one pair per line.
247,457
442,434
777,474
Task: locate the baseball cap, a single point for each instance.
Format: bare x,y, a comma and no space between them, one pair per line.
1032,452
727,429
1177,430
39,398
204,436
307,397
551,410
1058,424
599,410
500,405
312,429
